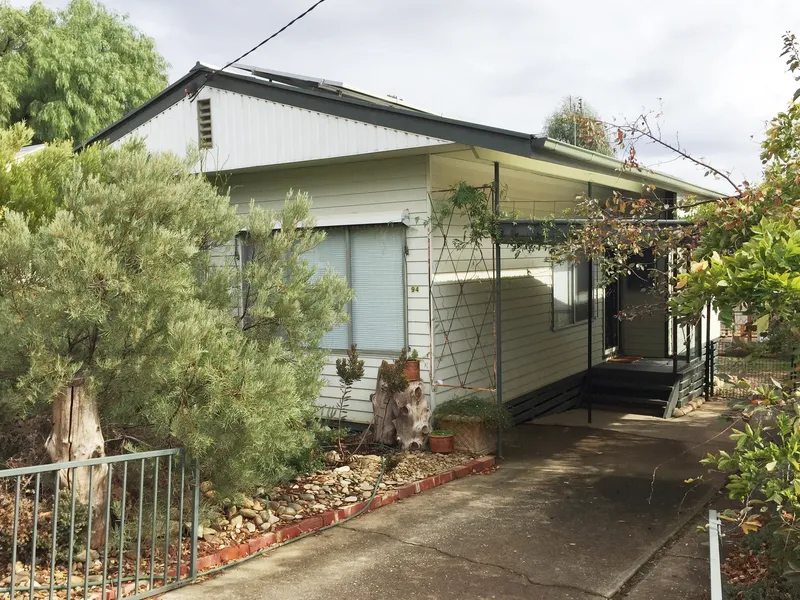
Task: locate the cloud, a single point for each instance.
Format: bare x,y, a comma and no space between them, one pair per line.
711,65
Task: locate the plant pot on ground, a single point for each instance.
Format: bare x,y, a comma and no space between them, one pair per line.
474,422
411,366
441,441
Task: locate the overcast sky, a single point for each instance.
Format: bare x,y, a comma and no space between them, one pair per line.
712,66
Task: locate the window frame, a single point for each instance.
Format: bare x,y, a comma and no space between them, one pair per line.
241,249
573,295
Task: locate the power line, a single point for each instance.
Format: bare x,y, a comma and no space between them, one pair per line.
257,46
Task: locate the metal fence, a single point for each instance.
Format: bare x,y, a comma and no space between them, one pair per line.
715,564
120,526
741,366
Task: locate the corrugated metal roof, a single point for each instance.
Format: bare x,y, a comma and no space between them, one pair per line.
307,94
323,85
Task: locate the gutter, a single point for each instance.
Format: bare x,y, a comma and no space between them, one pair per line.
541,145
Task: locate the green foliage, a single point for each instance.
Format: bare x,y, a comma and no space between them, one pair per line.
69,73
391,374
496,417
578,125
350,369
34,184
441,433
413,354
129,285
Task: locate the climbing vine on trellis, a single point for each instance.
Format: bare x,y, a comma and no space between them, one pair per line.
465,220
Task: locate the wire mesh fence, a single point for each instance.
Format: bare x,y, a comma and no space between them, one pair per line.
743,366
121,526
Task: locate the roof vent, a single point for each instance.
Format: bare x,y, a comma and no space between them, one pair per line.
204,123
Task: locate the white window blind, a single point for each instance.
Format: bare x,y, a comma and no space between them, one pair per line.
372,259
376,267
570,293
562,295
332,254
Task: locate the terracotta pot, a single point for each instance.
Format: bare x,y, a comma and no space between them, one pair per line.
411,370
441,444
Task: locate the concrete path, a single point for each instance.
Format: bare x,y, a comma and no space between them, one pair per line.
680,571
573,513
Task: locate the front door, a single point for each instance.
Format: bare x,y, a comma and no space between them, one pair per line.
611,324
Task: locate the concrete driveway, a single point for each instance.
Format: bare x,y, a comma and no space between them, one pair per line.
573,513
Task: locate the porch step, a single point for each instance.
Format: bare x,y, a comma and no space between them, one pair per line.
639,388
637,404
644,392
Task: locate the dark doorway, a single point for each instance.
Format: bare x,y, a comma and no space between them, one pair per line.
611,325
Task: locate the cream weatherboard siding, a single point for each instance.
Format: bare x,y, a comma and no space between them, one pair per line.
349,189
533,353
248,132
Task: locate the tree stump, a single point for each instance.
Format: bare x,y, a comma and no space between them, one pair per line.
76,435
401,418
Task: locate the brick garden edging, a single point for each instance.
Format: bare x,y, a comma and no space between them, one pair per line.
225,555
317,522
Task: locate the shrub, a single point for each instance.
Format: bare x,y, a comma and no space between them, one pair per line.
483,409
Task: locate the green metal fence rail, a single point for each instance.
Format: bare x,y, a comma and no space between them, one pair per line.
742,367
134,540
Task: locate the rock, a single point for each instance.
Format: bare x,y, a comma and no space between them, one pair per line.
308,486
232,511
248,513
308,497
257,506
258,520
221,524
351,499
274,505
250,527
366,486
237,521
265,526
319,507
295,507
344,469
286,510
298,517
206,486
287,517
247,504
678,412
272,520
332,457
210,494
261,492
209,534
264,514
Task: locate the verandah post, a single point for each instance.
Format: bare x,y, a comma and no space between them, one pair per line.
498,308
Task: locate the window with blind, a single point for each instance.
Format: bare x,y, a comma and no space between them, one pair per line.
372,261
570,293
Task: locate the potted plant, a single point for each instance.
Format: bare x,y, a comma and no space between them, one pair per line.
441,441
474,422
411,365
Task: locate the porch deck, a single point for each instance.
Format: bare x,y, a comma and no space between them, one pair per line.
647,385
648,365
